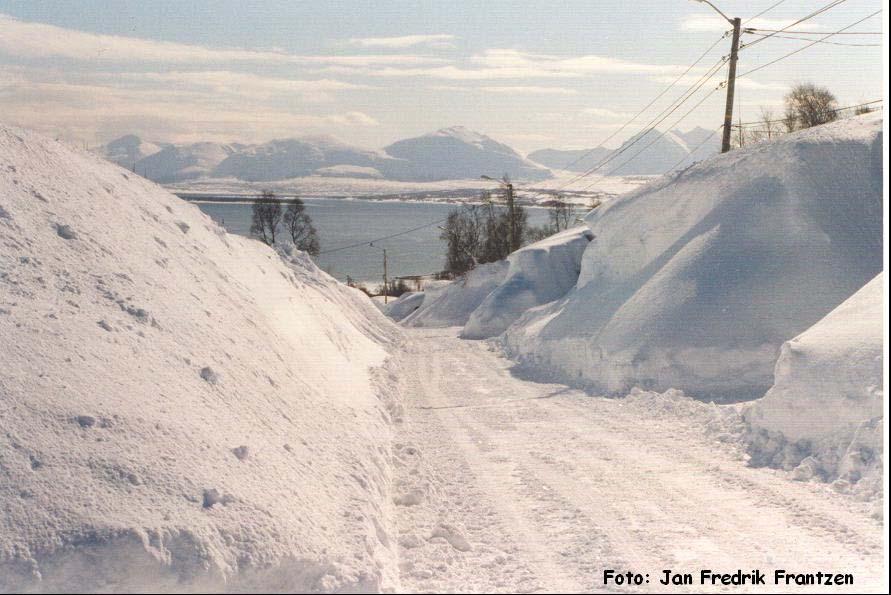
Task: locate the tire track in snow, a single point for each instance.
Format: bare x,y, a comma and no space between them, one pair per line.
569,485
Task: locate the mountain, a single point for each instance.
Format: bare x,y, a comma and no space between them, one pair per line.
571,160
177,163
447,154
673,149
293,158
458,153
128,150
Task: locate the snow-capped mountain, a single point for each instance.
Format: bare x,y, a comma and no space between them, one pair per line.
176,163
447,154
673,149
293,158
128,150
456,152
572,159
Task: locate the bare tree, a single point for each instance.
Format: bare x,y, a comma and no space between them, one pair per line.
266,217
808,105
561,215
463,232
299,226
769,123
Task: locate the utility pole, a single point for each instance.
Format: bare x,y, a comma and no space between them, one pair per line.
731,85
511,212
386,282
731,75
511,215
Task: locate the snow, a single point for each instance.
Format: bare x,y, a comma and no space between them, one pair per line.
457,153
537,274
823,415
180,409
695,281
674,148
448,154
451,304
405,305
503,484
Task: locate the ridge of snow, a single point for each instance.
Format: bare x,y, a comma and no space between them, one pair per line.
182,409
694,281
823,414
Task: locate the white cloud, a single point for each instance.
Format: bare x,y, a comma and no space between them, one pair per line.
508,89
161,111
500,64
245,84
713,22
404,41
38,40
600,112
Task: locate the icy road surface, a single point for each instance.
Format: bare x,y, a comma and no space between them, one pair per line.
503,484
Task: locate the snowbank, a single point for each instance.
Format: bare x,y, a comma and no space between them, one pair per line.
537,274
695,281
823,415
405,305
180,409
451,304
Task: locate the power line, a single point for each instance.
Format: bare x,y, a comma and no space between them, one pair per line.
659,118
691,153
380,239
801,49
765,11
817,12
819,41
836,110
754,30
662,134
633,118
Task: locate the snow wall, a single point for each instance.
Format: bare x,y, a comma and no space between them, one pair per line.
180,409
695,281
823,415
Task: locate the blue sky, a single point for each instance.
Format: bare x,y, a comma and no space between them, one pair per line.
532,74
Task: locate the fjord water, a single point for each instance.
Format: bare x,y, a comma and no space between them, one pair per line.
342,222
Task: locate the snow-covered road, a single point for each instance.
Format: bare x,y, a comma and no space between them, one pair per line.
504,484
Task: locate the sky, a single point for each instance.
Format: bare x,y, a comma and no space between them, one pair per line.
533,74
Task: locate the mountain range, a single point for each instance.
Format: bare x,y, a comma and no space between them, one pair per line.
651,154
447,154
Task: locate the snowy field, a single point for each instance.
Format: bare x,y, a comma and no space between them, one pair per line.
603,187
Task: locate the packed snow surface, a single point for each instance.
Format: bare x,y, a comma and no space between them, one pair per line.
180,409
696,280
508,485
824,411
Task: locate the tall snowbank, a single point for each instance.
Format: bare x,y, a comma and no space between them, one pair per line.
823,415
695,281
537,274
451,304
180,409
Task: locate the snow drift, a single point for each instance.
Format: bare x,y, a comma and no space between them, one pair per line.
537,274
823,415
452,303
695,281
180,409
